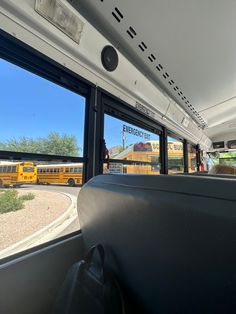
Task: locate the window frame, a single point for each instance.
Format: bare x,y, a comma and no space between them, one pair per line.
118,109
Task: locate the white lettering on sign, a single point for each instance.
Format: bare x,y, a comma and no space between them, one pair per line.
136,132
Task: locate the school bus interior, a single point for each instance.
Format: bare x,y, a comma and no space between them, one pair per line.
157,81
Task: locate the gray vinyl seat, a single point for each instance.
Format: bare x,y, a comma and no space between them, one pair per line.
171,240
206,174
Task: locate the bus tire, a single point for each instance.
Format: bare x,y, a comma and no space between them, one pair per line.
71,182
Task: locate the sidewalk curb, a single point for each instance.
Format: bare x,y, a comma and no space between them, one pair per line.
38,235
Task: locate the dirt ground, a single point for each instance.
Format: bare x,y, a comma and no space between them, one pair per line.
36,214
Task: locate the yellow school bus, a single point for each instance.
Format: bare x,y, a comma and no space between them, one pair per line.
70,174
150,152
142,152
17,173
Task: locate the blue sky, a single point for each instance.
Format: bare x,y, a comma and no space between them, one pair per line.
33,107
113,133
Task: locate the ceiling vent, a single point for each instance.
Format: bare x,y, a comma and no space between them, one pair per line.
154,61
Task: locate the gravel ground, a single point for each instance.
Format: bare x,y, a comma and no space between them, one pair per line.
39,212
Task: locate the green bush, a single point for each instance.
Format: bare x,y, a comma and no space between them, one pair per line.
9,201
27,197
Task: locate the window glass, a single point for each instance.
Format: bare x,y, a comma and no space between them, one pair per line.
125,141
44,117
192,158
31,201
28,169
222,158
175,155
116,168
39,117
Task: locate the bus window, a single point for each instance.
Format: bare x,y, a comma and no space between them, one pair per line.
47,123
49,194
31,103
28,169
175,155
192,158
131,149
222,158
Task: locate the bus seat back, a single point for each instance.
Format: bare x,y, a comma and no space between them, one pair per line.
170,239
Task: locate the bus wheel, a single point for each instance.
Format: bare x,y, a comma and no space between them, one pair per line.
71,182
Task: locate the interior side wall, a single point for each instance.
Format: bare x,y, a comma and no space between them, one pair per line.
30,283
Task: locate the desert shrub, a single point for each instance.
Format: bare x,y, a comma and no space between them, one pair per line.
9,201
27,197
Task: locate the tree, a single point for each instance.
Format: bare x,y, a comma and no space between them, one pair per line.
53,144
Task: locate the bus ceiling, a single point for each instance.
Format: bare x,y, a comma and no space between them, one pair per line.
186,47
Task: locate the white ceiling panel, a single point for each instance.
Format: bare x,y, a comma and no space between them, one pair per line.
222,130
188,44
220,113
